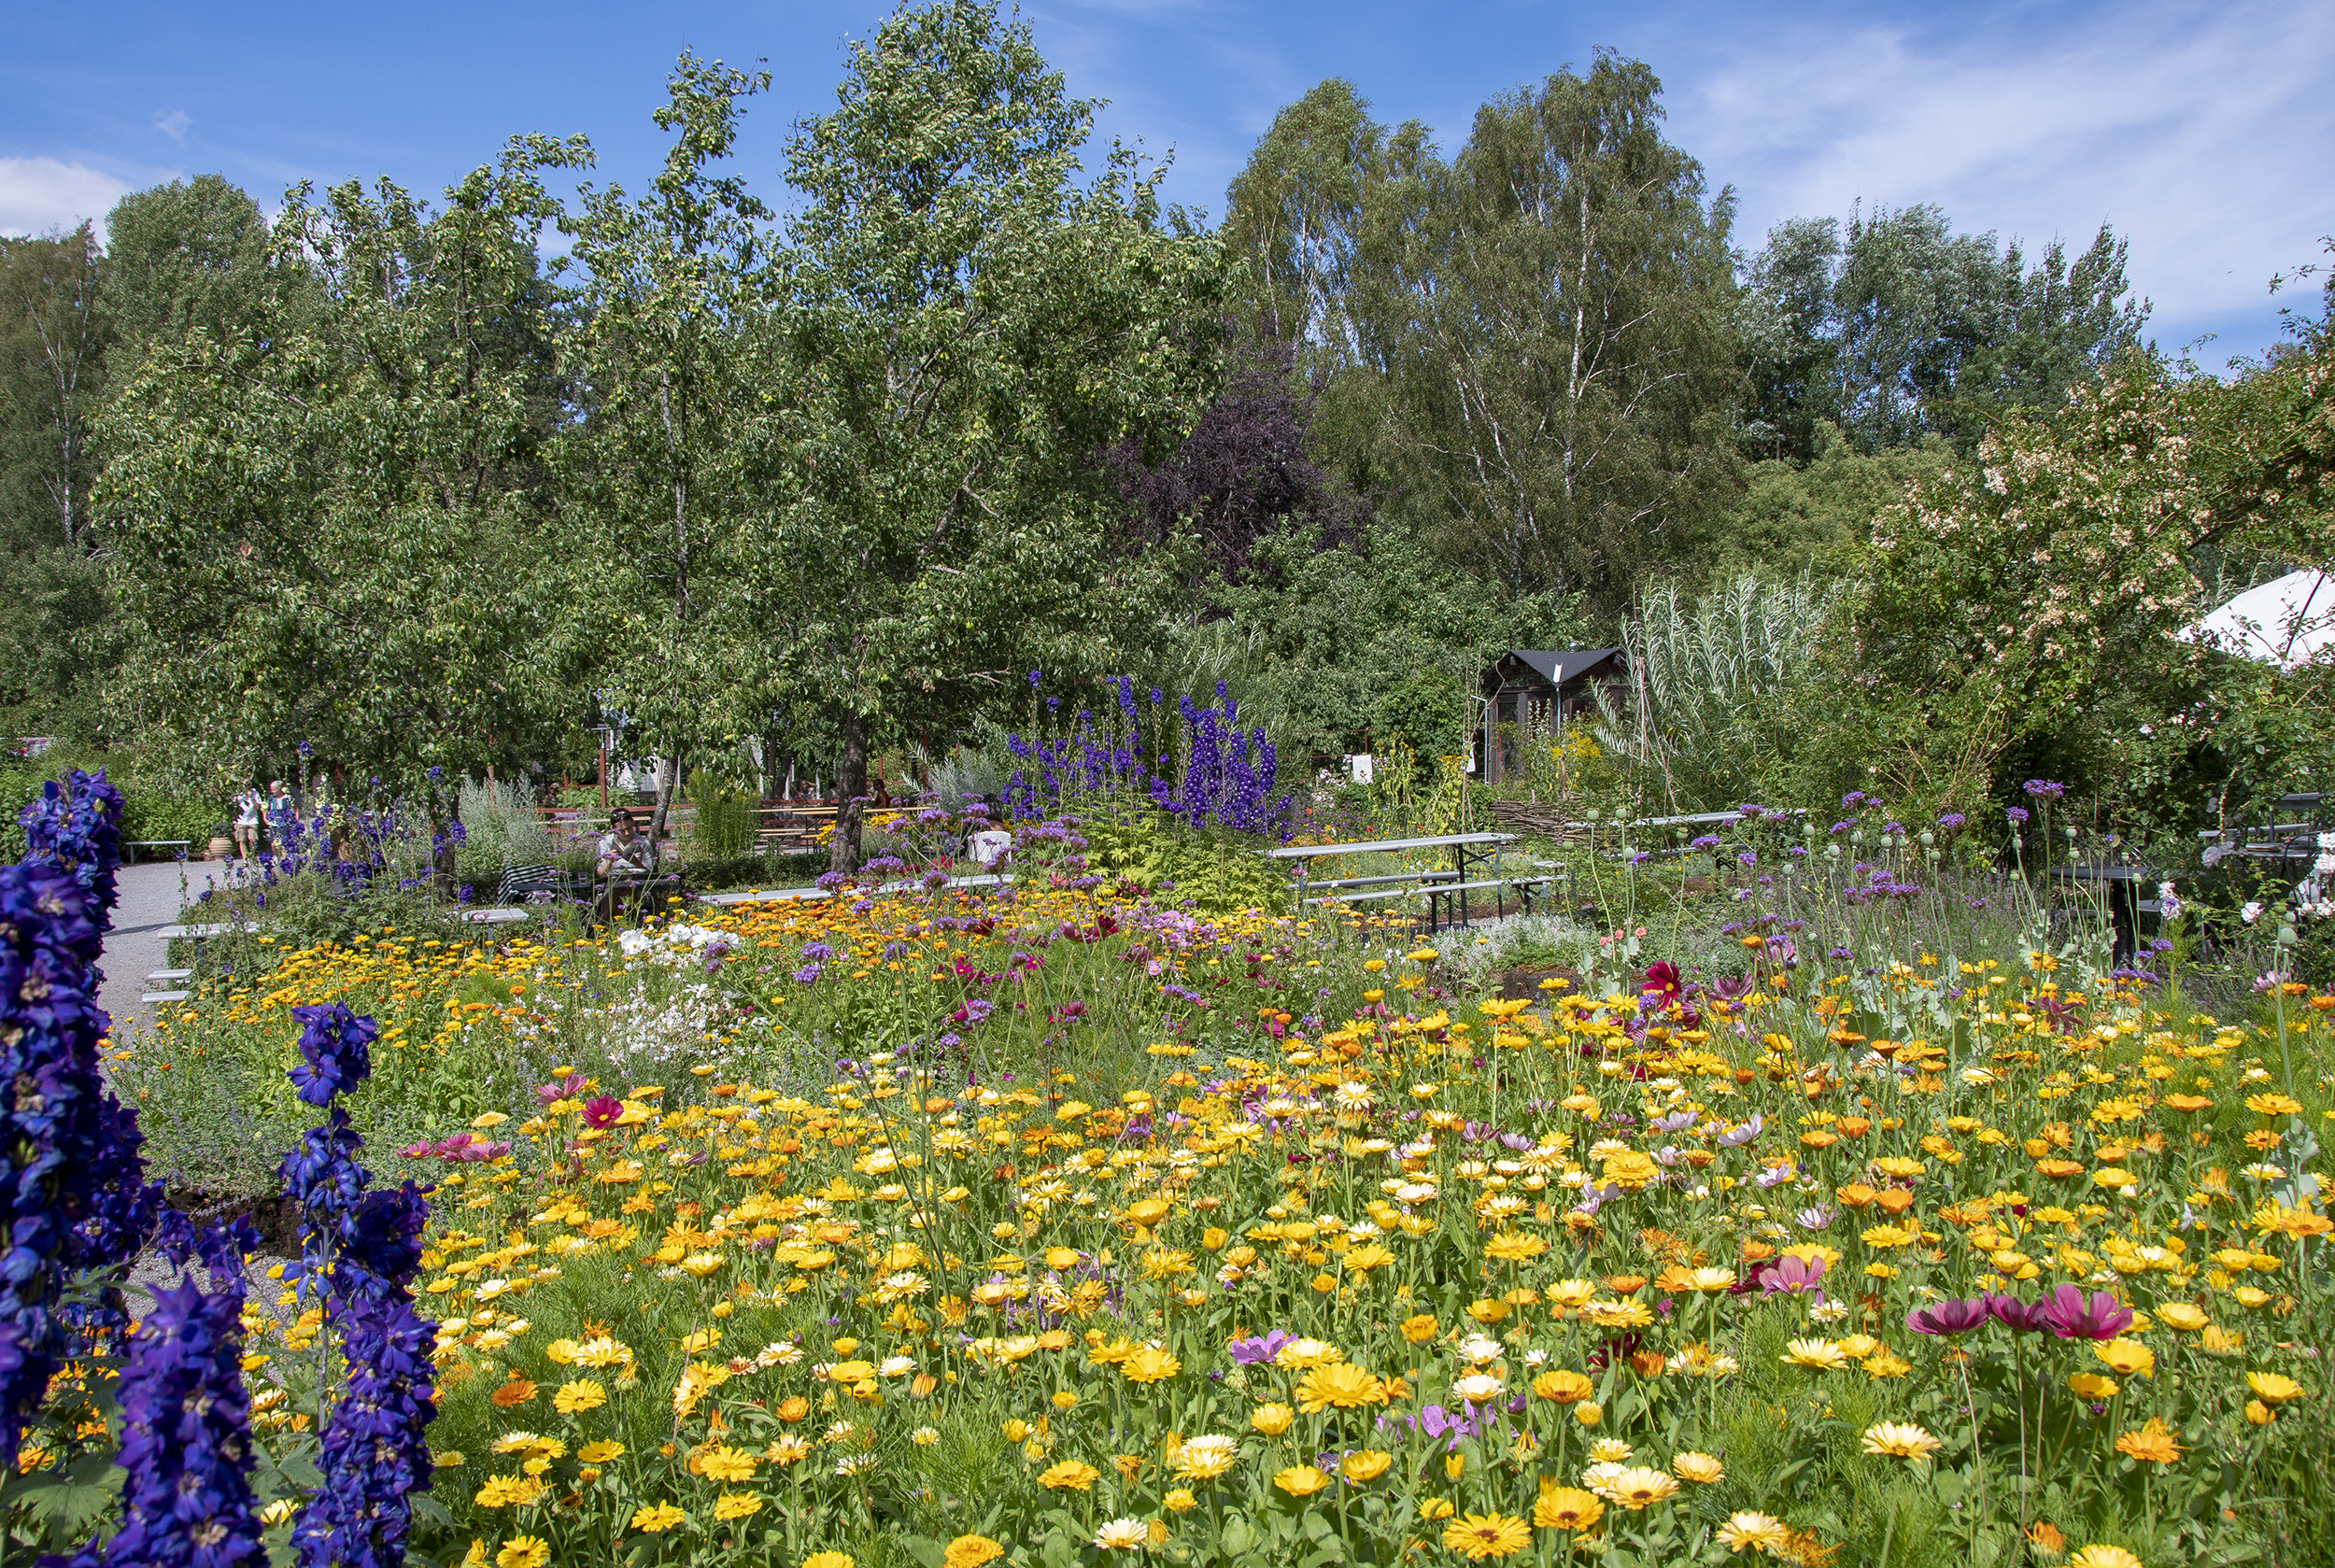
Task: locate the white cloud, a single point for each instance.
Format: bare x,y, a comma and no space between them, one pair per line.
2198,130
38,194
174,125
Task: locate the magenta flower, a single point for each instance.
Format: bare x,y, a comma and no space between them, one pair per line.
1958,1316
1793,1276
601,1111
565,1088
1260,1348
2072,1315
2021,1317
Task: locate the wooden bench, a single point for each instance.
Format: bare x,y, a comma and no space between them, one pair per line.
1440,887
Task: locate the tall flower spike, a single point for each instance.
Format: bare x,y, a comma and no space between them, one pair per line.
186,1438
78,830
336,1048
51,1127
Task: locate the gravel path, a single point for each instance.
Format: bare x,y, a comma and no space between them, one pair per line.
152,897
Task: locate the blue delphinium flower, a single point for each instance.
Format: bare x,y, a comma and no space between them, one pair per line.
374,1452
78,830
51,1125
185,1440
335,1045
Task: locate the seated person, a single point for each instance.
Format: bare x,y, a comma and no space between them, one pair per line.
622,852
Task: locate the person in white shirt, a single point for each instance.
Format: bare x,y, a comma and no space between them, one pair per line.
622,852
248,804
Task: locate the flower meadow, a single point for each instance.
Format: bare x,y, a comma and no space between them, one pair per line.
1065,1224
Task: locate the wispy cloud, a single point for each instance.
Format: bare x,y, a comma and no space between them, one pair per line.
174,125
38,194
2199,130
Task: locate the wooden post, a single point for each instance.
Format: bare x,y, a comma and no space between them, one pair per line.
603,774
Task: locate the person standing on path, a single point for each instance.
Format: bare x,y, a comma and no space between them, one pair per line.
280,816
249,802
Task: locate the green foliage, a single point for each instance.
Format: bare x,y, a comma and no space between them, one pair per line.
318,503
1533,340
1426,716
968,317
1313,647
1900,329
1710,719
1212,872
726,822
1817,516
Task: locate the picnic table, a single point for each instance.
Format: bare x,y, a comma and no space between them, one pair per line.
1471,856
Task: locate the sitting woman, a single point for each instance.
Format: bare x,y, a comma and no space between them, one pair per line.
622,852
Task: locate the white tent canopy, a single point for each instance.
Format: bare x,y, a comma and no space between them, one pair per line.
2286,622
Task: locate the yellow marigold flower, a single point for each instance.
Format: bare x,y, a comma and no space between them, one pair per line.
1478,1536
1070,1475
1272,1419
724,1464
656,1519
1150,1364
1205,1458
1300,1480
1702,1469
524,1551
1299,1354
737,1505
1748,1530
970,1551
1366,1465
1123,1535
1900,1440
2104,1557
1566,1388
2151,1442
1641,1487
1419,1328
1567,1508
1818,1355
827,1560
1436,1508
2273,1388
2090,1385
2127,1358
585,1393
1516,1247
2183,1316
509,1491
600,1452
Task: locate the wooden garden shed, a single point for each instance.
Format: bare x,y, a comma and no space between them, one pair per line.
1549,687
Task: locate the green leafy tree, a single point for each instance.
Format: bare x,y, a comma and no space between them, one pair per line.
967,326
189,256
1895,328
1534,338
654,479
2019,611
328,517
55,333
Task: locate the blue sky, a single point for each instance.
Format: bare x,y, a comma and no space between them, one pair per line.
2201,131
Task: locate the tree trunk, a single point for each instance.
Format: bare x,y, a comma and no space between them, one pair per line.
668,788
851,789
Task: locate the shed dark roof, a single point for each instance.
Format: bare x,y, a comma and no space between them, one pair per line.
1559,665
